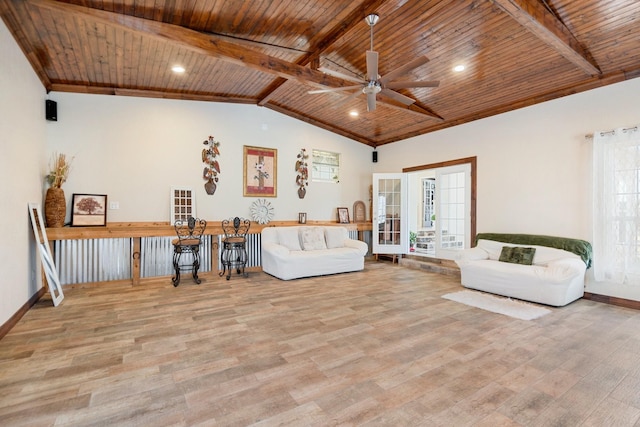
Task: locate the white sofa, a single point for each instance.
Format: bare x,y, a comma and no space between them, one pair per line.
304,251
556,276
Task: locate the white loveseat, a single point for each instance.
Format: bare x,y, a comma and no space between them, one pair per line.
305,251
555,277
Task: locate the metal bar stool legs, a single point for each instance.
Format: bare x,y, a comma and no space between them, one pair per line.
194,266
234,256
189,234
176,266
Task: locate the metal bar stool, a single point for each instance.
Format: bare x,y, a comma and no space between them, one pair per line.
234,246
188,242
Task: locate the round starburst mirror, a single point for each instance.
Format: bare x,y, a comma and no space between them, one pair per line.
261,211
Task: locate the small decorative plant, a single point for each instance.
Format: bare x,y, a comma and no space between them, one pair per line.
59,170
55,205
412,239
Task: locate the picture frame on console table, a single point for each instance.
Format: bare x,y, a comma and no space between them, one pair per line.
343,215
88,210
359,211
260,172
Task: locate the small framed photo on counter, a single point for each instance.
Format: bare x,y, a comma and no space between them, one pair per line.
343,215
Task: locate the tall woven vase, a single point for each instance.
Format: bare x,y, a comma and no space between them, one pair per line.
55,207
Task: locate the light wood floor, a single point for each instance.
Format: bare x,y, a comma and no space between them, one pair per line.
377,348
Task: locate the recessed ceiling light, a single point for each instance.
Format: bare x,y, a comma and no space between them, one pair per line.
458,68
353,113
178,69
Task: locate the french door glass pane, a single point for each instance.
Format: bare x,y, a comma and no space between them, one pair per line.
389,211
452,209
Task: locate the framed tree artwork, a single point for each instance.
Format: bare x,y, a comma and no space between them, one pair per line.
260,172
89,210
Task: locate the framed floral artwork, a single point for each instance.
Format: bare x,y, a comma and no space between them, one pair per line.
260,172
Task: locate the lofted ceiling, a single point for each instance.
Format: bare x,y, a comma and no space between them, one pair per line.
272,53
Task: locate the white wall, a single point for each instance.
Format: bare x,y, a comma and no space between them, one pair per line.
22,165
534,164
135,149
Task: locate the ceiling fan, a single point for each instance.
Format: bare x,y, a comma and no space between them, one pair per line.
374,83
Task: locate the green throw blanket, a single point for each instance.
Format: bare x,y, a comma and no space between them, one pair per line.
581,248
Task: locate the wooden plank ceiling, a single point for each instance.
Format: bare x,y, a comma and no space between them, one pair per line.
272,53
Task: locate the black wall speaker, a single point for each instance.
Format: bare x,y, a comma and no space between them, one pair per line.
51,110
374,157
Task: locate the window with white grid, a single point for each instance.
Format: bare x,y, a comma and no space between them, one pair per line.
325,166
182,204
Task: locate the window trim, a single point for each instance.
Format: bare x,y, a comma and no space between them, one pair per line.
333,168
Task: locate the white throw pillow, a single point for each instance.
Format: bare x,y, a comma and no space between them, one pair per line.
335,237
545,255
492,247
312,238
288,237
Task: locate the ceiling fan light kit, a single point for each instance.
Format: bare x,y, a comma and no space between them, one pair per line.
384,85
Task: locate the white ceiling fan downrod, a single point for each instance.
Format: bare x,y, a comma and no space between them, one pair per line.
372,20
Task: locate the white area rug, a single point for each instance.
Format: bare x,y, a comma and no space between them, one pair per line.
501,305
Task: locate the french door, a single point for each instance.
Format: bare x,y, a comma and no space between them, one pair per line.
453,210
452,204
390,232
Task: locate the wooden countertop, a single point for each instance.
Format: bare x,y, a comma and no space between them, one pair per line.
151,229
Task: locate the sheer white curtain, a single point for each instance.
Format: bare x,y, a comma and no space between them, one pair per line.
616,219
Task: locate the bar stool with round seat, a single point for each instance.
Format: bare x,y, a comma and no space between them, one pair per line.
188,242
234,246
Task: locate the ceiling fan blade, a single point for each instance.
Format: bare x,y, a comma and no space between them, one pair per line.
415,63
398,96
334,89
340,75
371,102
410,84
350,97
372,65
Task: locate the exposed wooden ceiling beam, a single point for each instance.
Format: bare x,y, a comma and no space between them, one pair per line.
345,25
318,48
216,47
145,93
198,42
532,15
